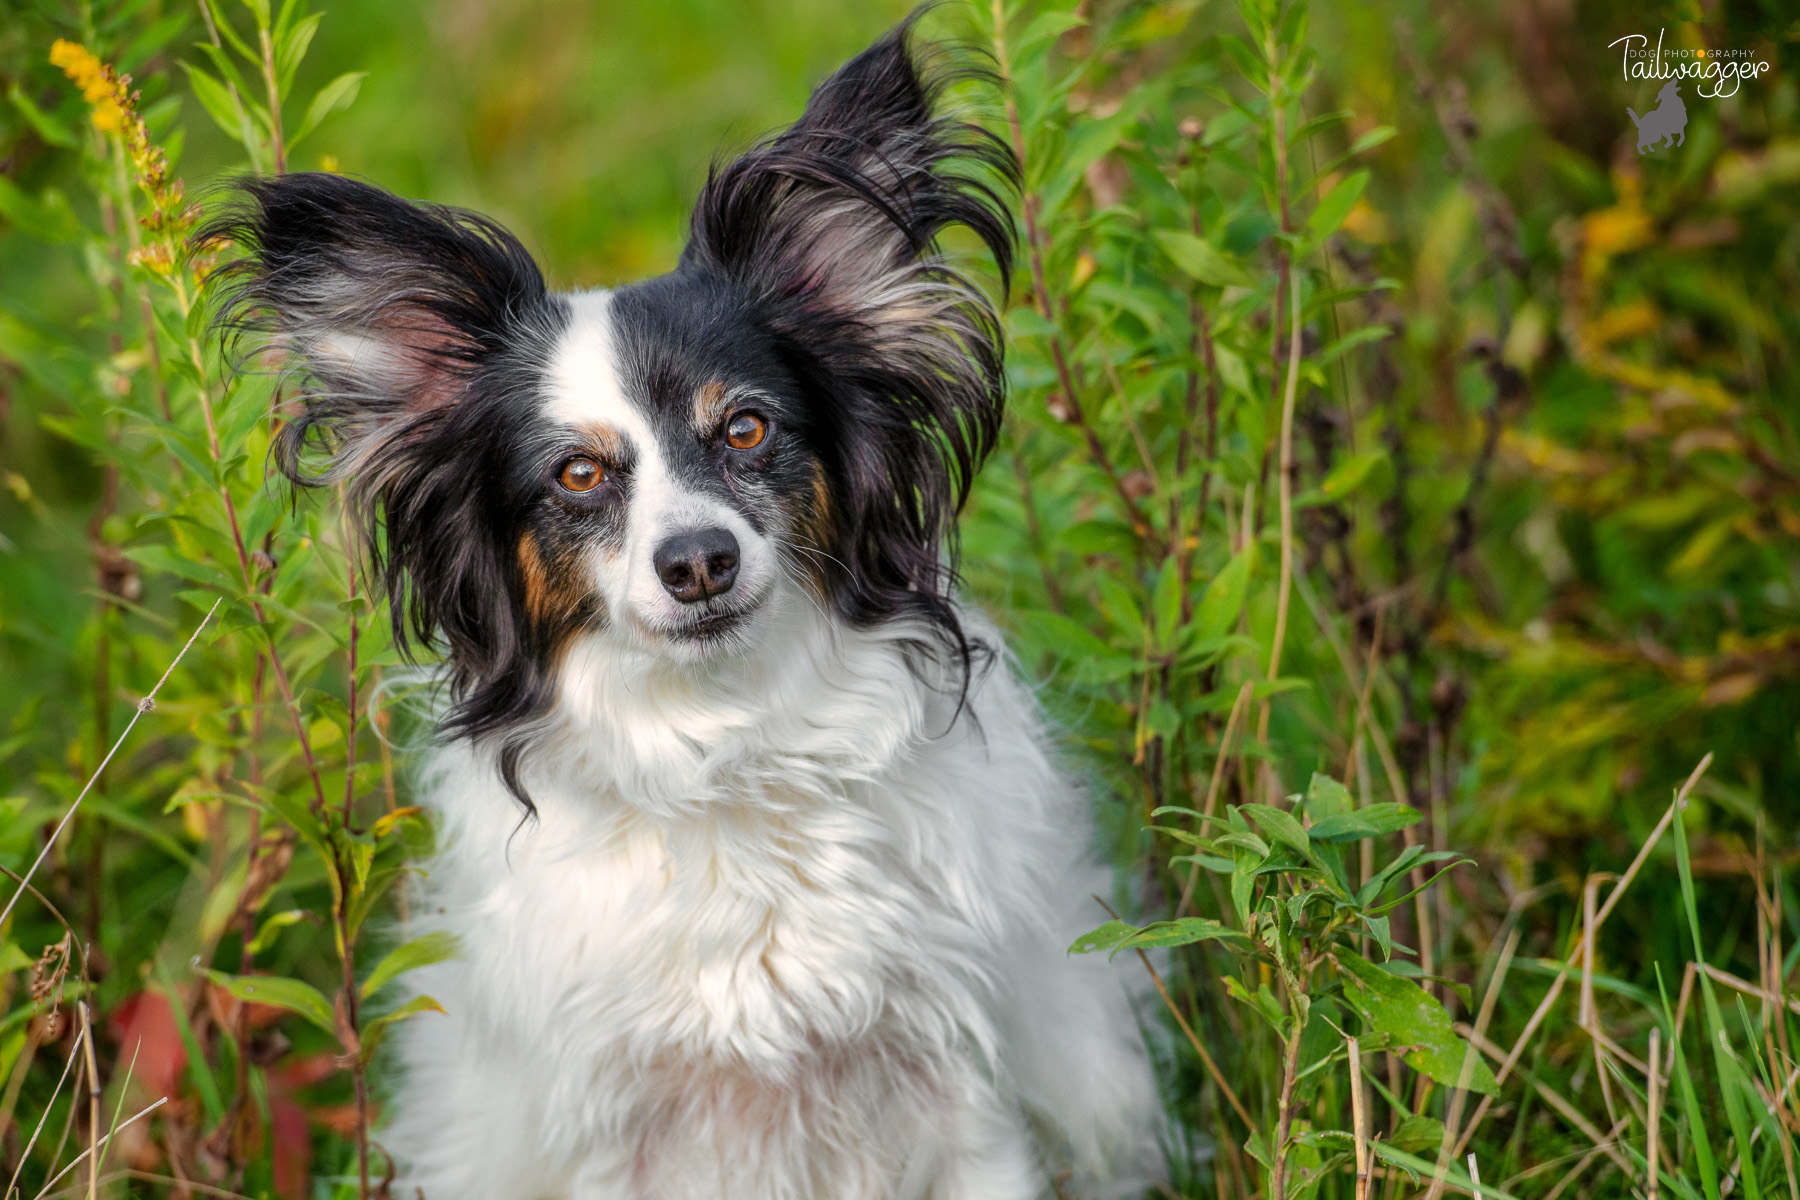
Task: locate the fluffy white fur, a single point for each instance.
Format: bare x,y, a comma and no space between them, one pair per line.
774,935
787,925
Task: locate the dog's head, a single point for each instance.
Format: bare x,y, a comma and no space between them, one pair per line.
799,406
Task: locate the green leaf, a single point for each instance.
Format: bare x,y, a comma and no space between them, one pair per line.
1262,1000
1372,139
1026,321
373,1031
1243,883
47,218
1181,932
47,127
433,947
1202,260
340,93
292,994
1684,1083
1381,930
1122,607
1165,604
1417,1134
1332,210
1373,821
273,925
217,102
1733,1088
1351,340
294,44
1224,596
1326,797
1401,1009
1245,57
1421,1169
1233,372
1044,27
1103,938
1280,826
1345,477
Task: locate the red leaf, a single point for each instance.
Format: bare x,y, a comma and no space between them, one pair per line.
144,1025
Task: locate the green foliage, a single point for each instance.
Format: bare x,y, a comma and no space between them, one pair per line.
1446,463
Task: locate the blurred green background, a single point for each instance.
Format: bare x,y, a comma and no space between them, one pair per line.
586,128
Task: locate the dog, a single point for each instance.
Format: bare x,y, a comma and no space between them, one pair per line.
757,851
1666,123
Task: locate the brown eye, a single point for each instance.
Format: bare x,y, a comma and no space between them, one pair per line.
746,431
581,475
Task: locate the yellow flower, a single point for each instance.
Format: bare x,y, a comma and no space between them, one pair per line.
115,112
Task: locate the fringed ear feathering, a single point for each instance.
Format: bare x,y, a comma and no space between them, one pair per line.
831,228
411,326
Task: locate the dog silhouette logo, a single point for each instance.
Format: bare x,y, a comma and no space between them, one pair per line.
1666,123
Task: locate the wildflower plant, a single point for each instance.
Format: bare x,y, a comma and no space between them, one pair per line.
300,811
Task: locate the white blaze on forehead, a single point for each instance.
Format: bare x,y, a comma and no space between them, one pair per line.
583,382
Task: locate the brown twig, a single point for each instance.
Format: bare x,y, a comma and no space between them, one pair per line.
1212,1068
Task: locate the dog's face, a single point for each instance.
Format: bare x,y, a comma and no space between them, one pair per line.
683,478
798,408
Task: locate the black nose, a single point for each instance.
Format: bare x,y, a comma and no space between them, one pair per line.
697,564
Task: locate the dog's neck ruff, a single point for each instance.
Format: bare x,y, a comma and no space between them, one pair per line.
814,706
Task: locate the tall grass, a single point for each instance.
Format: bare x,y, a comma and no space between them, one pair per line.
1349,595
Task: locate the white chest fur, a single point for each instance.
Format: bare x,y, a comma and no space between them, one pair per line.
795,936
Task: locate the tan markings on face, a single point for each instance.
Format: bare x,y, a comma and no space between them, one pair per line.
555,602
538,587
607,443
811,523
711,405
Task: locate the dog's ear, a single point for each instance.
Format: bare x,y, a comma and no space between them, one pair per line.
407,326
831,228
390,308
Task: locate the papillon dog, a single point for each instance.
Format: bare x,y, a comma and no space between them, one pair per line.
758,853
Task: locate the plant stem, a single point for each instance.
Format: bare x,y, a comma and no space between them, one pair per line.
276,141
1284,1122
1289,289
357,1071
1359,1120
1034,241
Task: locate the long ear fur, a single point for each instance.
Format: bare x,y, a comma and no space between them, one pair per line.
831,226
409,326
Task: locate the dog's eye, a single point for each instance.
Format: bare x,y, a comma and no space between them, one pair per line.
581,475
746,431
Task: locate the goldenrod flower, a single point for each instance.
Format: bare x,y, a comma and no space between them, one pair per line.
99,86
115,112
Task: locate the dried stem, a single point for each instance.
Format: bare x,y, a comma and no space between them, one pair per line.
1653,1124
1359,1120
143,706
1511,1058
1206,1059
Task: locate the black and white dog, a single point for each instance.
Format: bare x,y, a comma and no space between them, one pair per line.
788,918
